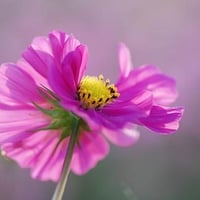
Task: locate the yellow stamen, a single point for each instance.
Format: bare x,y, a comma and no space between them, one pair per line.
94,92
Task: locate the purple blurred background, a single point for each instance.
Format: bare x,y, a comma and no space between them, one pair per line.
164,33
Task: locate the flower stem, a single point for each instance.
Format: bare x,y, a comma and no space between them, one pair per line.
60,188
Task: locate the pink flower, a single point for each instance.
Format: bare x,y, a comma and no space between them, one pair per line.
46,89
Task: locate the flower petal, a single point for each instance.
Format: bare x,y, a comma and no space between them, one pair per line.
130,105
117,118
58,85
70,45
41,61
148,77
46,52
42,44
142,99
124,137
65,82
74,66
49,159
36,152
124,60
163,88
16,123
162,119
18,85
57,40
37,77
89,117
91,148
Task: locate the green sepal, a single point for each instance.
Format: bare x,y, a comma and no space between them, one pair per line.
62,119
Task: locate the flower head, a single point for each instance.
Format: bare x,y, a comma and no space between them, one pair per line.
46,90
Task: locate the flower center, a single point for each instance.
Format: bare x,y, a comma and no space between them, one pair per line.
94,92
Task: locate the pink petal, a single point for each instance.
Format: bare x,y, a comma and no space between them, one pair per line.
91,148
137,75
163,88
39,60
89,116
56,46
42,44
124,60
79,72
37,77
74,65
124,137
52,44
142,99
65,82
130,105
150,78
47,163
59,86
70,45
71,65
162,119
17,123
18,85
62,44
60,35
36,152
117,118
46,52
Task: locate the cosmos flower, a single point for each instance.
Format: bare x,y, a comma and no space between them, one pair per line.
46,90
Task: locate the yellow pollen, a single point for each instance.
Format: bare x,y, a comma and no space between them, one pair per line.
94,92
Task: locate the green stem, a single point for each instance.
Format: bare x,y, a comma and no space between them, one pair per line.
60,188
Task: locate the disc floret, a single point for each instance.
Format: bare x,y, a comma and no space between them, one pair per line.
95,92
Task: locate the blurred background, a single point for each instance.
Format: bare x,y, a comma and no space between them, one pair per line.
164,33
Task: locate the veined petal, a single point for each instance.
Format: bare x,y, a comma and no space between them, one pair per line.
72,64
57,43
79,72
141,99
113,120
137,75
150,78
17,84
124,137
111,117
59,86
163,119
91,148
39,60
163,88
46,52
70,45
49,159
37,77
65,82
16,123
37,152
